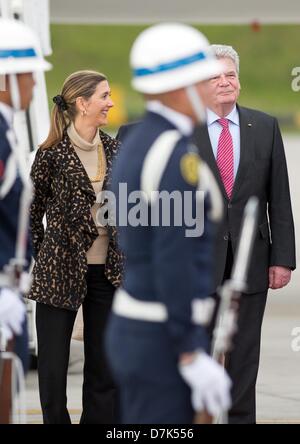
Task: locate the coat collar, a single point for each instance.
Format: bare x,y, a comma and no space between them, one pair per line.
111,149
73,169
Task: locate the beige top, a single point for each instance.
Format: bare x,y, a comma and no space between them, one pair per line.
92,157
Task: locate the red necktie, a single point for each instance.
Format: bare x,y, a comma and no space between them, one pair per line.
225,157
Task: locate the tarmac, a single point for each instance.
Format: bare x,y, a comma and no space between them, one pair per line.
278,387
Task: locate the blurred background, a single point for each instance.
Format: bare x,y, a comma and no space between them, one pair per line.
98,35
268,55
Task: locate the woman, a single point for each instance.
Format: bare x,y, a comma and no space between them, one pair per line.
77,259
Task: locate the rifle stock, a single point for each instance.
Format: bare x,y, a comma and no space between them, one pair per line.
6,387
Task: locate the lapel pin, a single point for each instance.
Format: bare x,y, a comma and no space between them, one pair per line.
249,124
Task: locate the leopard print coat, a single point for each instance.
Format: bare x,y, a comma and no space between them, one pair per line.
64,193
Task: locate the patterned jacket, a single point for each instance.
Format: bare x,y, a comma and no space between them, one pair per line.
64,193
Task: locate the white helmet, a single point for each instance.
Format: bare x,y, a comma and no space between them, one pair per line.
19,49
170,56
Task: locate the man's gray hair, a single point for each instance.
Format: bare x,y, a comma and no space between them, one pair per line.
222,51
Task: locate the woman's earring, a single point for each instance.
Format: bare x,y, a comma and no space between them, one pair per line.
83,113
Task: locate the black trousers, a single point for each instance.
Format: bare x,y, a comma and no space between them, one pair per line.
242,362
54,330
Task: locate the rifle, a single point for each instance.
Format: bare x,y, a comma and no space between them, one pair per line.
230,294
6,386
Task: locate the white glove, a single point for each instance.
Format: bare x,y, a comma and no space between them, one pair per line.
12,313
209,383
6,334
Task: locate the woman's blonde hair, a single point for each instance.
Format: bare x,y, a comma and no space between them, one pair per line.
79,84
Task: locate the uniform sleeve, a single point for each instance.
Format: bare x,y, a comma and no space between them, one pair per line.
5,152
183,264
280,209
9,203
2,170
41,178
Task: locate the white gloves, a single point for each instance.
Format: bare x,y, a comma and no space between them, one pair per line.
12,313
209,384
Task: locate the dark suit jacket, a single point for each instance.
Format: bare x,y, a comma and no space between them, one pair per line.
124,130
65,194
263,173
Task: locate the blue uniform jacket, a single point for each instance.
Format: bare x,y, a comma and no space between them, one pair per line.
9,215
9,206
162,264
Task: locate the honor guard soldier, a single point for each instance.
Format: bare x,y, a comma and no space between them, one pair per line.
19,59
156,340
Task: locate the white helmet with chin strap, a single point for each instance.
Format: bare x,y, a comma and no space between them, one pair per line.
164,58
170,56
19,53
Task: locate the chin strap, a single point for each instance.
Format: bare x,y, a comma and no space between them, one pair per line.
196,103
14,92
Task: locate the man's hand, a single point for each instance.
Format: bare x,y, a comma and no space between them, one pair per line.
279,277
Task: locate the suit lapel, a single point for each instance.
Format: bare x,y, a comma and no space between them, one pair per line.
202,140
247,127
74,170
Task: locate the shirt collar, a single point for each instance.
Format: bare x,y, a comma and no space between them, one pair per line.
233,116
184,123
8,113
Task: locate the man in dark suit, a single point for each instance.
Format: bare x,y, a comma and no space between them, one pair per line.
244,149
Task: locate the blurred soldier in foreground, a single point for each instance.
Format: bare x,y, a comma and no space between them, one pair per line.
19,59
156,340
